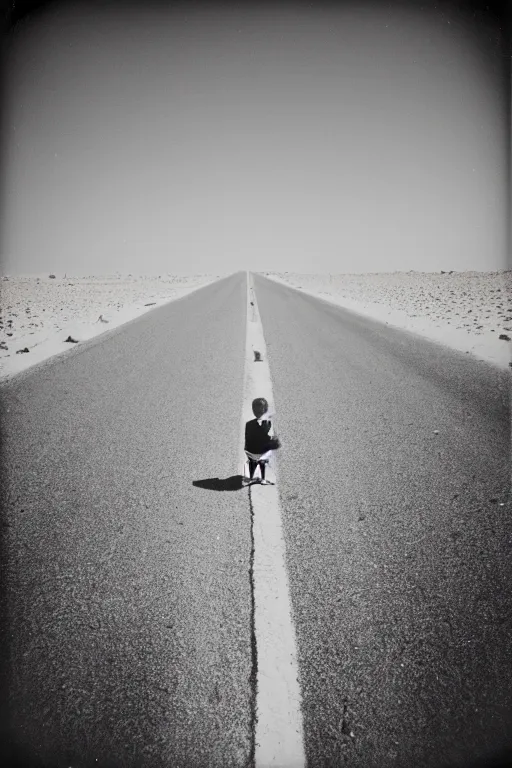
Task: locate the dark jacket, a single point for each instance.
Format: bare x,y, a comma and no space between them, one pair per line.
257,438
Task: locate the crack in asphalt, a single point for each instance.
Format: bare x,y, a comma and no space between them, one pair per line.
253,678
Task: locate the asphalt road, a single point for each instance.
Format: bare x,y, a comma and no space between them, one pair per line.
395,460
126,592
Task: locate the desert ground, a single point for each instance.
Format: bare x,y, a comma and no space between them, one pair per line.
39,313
42,315
467,311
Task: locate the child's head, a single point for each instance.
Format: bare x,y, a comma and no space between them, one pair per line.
259,407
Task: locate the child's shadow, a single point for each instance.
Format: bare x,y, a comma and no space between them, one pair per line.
233,483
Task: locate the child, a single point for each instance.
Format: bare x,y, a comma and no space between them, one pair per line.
259,440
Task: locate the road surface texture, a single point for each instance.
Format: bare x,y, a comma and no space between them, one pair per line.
127,610
395,461
127,587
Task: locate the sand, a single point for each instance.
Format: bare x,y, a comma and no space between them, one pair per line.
467,311
39,313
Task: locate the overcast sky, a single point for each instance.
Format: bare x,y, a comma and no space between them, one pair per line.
313,137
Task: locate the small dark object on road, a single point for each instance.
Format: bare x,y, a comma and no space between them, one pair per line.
73,341
252,303
257,356
53,277
504,337
21,351
150,304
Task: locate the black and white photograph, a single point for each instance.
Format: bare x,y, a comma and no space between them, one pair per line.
255,384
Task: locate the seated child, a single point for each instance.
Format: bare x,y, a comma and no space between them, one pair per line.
259,440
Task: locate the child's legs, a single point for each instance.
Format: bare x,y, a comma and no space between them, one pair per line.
262,469
252,466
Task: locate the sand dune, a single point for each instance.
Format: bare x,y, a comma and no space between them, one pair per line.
39,313
467,311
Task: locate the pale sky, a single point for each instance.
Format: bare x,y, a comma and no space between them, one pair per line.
331,138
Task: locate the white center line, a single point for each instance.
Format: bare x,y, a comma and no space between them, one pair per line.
279,734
